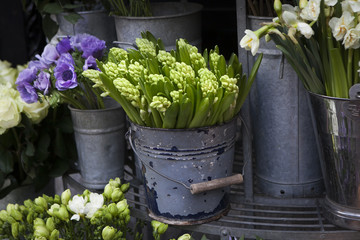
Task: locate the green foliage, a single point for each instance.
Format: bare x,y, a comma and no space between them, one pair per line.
132,8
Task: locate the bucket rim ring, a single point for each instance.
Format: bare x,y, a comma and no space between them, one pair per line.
196,7
185,129
94,110
85,12
331,98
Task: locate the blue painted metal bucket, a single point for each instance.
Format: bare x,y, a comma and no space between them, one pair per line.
173,159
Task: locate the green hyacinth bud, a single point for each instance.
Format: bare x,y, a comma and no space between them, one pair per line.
39,222
115,182
63,213
160,103
112,208
15,229
50,225
108,233
10,207
30,217
28,203
127,219
107,217
41,231
4,216
57,199
55,234
65,196
117,195
145,46
40,201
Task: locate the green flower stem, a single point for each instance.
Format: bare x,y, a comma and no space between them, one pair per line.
71,101
18,152
157,119
201,113
171,115
350,67
356,67
185,113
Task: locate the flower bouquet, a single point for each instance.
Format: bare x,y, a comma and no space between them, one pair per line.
31,144
177,89
56,74
321,41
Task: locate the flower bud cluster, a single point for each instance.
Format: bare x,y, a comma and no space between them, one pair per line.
229,84
165,58
118,54
129,91
145,46
208,81
160,103
135,70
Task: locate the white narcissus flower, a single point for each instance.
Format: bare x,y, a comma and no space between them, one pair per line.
311,11
354,5
36,111
77,206
305,29
290,18
7,73
352,38
330,3
250,42
10,112
96,202
339,26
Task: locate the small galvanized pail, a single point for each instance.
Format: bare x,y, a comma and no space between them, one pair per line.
100,143
338,126
175,162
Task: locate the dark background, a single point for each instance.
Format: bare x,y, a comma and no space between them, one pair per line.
21,35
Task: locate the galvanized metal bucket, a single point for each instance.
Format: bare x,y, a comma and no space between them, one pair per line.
287,161
175,161
97,23
337,123
170,21
100,142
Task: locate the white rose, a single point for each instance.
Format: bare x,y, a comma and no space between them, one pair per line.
7,73
36,111
10,113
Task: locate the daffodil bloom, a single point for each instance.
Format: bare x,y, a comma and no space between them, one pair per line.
311,11
354,5
251,40
352,38
339,26
330,3
290,18
305,29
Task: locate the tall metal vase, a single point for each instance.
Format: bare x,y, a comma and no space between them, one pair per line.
287,161
100,143
337,122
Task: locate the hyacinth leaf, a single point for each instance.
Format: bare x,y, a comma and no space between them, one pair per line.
215,108
130,110
171,115
168,87
134,54
147,35
235,64
160,45
245,88
206,56
221,66
152,65
226,101
356,67
185,113
201,113
156,117
230,71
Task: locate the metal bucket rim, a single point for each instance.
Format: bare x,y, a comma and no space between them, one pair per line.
93,110
85,12
184,129
260,17
332,98
194,9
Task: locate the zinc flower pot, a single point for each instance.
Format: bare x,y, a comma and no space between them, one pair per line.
170,21
96,22
100,143
171,160
337,124
287,160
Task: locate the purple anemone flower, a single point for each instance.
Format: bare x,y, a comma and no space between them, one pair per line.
38,65
92,46
27,92
49,55
27,75
75,41
42,83
90,63
64,73
64,46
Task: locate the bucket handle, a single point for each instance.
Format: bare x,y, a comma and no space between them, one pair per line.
125,43
196,187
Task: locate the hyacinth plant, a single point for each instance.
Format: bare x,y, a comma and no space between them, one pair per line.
177,89
83,216
56,74
320,39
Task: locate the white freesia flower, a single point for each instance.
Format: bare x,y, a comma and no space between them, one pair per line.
250,42
311,11
77,206
305,29
339,26
352,38
290,18
10,112
330,3
354,5
96,202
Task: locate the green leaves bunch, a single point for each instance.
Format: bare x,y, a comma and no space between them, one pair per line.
178,89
